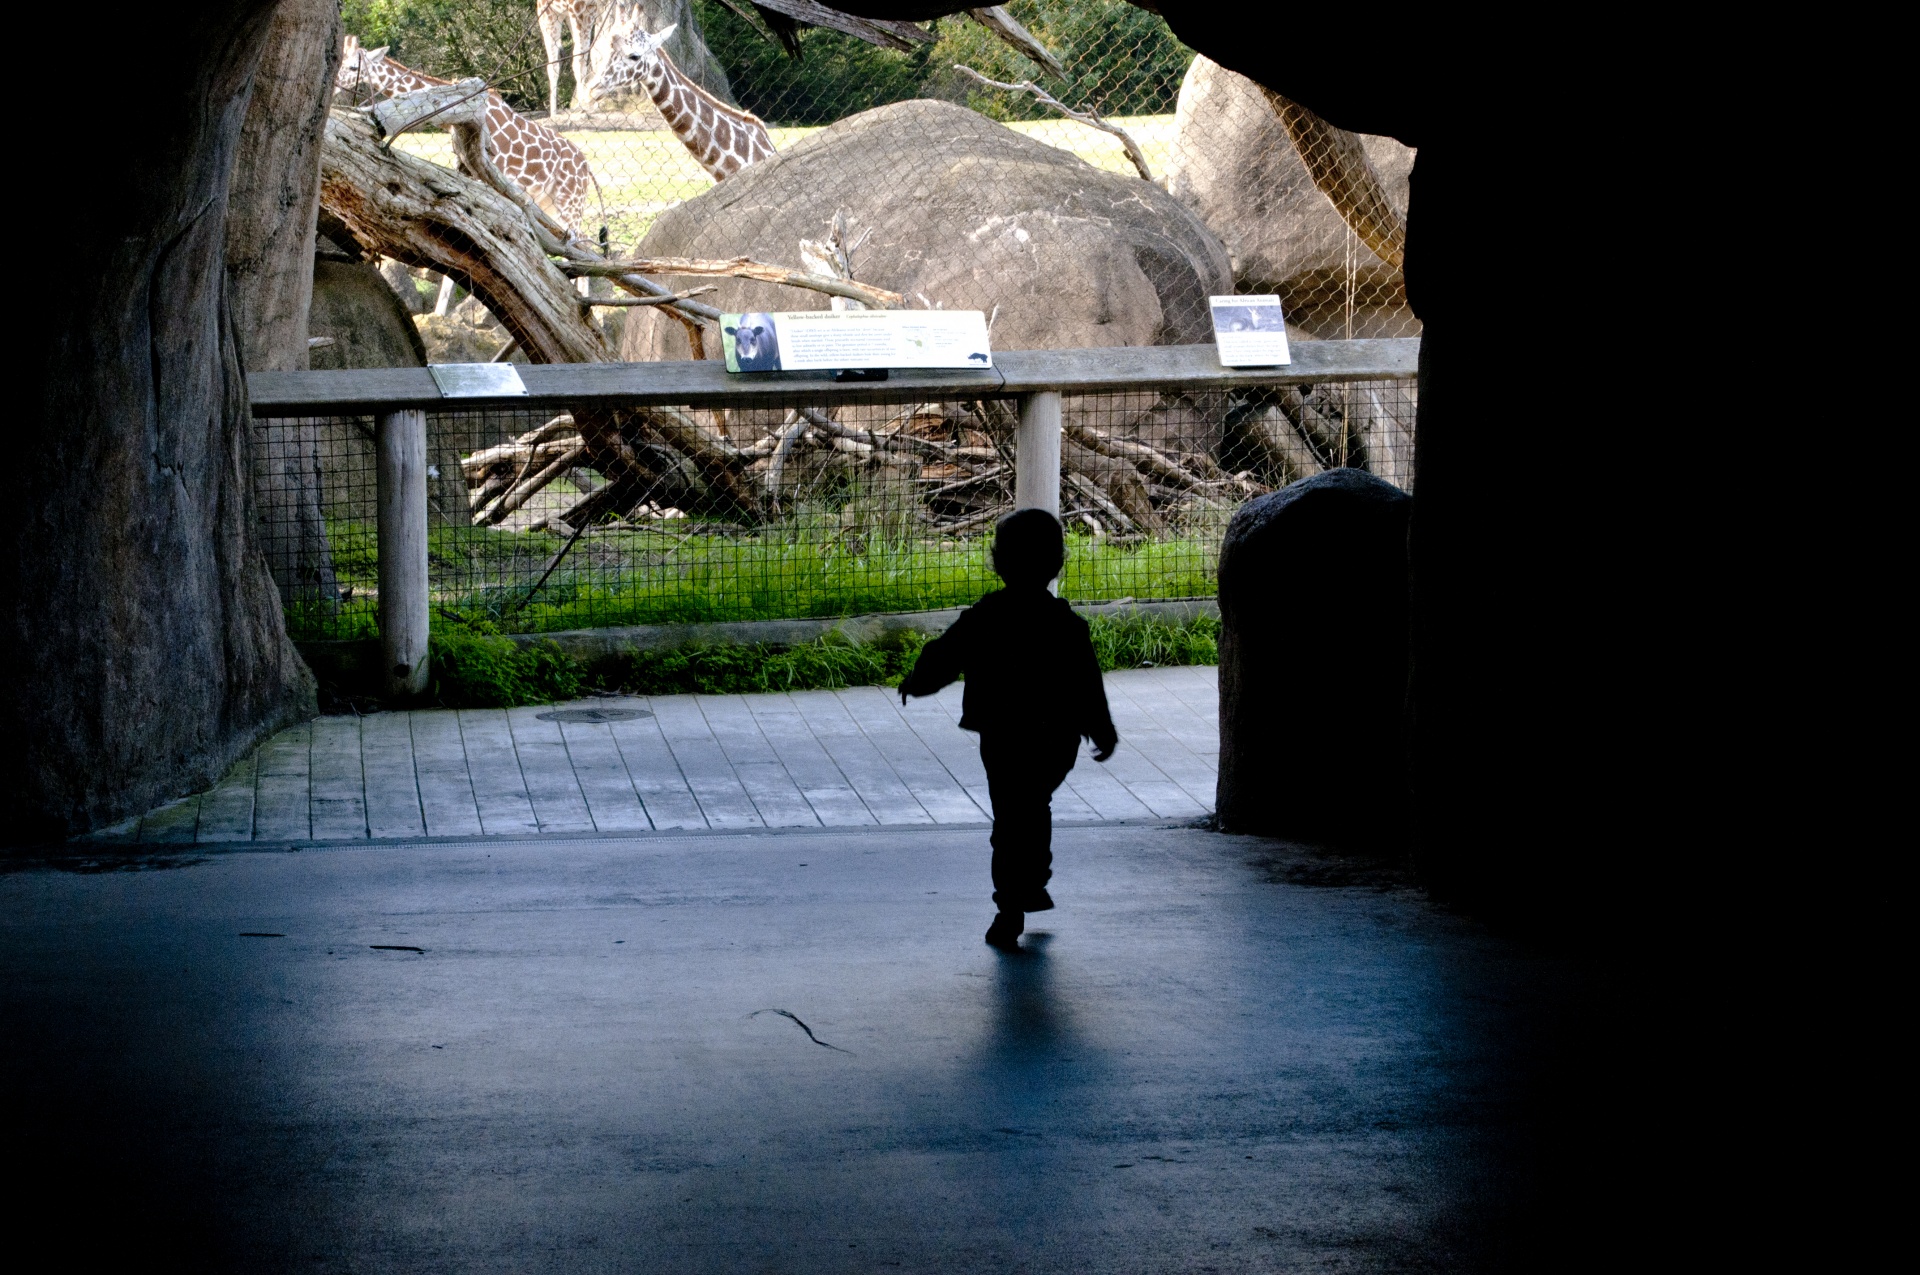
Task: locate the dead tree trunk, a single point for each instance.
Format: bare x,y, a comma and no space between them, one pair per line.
271,214
141,634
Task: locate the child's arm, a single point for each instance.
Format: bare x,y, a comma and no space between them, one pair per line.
1096,720
940,661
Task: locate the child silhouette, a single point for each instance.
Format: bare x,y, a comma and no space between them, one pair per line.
1033,689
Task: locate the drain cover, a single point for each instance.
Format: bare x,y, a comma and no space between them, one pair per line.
594,714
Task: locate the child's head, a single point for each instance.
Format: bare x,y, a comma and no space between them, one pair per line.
1029,547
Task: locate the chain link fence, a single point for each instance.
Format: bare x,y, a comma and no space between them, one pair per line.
853,509
1091,191
1205,135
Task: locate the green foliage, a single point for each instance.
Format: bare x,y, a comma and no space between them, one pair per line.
477,670
849,561
1145,641
835,75
831,663
497,40
1119,59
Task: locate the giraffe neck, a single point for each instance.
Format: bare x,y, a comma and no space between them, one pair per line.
390,78
715,132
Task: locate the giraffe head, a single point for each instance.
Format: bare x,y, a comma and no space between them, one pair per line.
358,68
635,56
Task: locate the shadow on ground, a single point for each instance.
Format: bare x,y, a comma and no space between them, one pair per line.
551,1055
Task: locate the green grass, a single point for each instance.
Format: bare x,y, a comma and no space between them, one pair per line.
804,569
475,669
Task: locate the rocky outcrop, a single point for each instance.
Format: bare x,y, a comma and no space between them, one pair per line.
1313,662
356,309
1234,164
960,212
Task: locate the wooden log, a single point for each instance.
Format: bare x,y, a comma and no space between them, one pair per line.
741,268
1118,482
424,215
401,518
1286,452
524,491
515,454
1155,462
1002,24
1037,447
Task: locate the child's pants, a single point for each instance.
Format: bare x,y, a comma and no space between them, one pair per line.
1022,773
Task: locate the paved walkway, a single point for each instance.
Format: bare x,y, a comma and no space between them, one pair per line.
806,759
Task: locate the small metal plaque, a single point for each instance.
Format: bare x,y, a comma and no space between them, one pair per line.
478,380
594,714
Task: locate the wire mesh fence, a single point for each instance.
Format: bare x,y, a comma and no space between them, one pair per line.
1066,167
830,511
971,174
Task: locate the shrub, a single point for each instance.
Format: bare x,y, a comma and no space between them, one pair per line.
477,670
1145,641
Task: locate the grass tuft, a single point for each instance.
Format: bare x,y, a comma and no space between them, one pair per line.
474,668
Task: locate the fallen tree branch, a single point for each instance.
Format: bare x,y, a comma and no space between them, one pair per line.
894,442
1155,462
739,268
1001,23
1089,117
972,521
614,302
522,492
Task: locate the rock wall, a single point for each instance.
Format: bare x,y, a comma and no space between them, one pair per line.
963,213
1234,164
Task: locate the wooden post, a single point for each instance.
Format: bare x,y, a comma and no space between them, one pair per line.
401,442
1036,474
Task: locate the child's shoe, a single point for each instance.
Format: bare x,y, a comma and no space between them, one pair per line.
1004,933
1038,901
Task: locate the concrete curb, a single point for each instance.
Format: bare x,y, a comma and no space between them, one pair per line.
591,644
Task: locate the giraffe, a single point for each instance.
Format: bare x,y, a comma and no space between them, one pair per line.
548,166
581,17
723,138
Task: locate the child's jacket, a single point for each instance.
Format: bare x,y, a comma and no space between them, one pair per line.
1029,664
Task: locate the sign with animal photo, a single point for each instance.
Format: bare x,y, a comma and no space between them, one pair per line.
1250,331
840,340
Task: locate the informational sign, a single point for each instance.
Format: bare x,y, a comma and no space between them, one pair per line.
477,380
1250,331
838,340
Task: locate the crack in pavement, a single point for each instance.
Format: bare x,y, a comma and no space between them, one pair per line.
787,1013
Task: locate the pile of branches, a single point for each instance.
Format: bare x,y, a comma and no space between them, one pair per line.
948,469
639,462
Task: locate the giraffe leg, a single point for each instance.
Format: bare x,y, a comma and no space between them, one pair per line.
582,69
550,37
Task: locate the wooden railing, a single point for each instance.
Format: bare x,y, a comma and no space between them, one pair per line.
399,399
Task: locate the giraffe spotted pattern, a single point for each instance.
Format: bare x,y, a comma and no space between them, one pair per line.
546,165
723,138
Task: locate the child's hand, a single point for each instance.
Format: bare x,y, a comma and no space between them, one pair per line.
1103,751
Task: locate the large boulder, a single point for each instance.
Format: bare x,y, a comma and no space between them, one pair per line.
962,212
356,309
1234,164
1313,663
356,306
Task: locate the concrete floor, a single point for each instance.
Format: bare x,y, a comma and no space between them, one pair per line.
808,759
1217,1054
